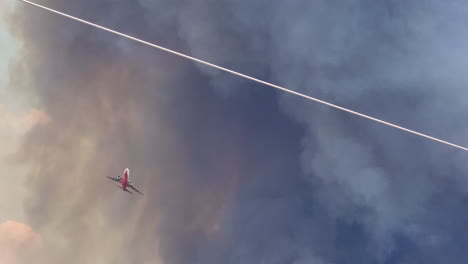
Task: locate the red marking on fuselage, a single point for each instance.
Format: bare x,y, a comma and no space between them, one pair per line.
125,179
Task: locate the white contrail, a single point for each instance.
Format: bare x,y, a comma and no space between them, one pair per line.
248,77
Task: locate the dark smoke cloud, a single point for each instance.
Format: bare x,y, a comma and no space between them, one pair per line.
230,173
397,60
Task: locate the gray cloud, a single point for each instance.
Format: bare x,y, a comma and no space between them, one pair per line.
397,60
225,180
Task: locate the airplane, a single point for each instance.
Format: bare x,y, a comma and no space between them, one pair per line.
125,182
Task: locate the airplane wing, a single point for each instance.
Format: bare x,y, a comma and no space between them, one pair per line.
120,187
134,188
114,179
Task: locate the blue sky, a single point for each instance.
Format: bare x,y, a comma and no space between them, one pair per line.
7,51
232,171
14,122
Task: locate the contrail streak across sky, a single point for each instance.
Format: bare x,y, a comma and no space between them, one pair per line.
250,78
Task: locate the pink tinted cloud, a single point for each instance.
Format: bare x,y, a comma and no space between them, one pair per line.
22,122
19,243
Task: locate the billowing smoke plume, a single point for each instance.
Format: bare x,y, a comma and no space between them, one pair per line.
232,171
